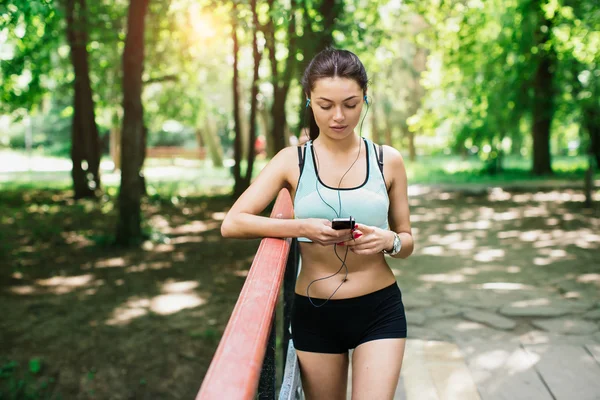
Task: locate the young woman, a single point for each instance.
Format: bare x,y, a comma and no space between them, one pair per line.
346,294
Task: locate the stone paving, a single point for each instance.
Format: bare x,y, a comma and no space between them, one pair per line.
512,318
513,279
502,263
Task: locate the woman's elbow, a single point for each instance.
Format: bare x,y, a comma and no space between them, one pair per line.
227,230
411,249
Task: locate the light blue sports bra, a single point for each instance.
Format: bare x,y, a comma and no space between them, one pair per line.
367,203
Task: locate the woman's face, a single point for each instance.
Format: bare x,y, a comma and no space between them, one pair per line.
336,104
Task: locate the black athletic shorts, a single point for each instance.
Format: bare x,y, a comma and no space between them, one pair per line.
343,324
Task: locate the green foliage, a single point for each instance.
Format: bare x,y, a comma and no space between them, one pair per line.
482,63
32,31
19,383
457,72
51,131
173,134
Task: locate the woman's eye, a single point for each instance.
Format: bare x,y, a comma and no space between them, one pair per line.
326,108
351,106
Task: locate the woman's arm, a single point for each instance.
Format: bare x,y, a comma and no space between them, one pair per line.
399,213
244,222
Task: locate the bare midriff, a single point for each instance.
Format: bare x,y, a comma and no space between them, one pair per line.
366,274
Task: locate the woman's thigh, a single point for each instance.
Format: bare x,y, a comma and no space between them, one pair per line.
324,376
376,369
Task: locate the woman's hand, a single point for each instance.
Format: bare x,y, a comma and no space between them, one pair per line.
321,232
370,240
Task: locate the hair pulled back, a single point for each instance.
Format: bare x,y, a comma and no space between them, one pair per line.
331,63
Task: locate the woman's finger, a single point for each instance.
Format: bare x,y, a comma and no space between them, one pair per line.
363,251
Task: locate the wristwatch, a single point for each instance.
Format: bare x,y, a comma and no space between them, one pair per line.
396,247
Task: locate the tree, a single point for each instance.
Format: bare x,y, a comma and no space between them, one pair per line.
496,65
242,182
38,31
318,25
543,101
256,55
237,127
85,141
280,80
579,23
132,136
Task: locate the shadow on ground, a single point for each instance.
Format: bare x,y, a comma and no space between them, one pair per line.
109,323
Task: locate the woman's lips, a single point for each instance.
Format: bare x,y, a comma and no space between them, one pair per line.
338,128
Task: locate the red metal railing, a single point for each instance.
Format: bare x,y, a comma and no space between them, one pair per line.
235,370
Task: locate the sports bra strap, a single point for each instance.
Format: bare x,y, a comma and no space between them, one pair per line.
301,154
379,155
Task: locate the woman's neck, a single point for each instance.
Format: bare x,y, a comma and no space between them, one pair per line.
339,146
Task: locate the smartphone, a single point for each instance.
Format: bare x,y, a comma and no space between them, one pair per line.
343,223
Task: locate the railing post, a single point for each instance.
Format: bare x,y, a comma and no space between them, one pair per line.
266,384
289,285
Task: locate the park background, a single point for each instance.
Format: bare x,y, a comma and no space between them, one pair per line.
127,129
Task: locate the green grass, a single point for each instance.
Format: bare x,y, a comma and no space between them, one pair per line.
455,170
188,177
18,382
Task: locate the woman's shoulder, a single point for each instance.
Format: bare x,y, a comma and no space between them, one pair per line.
390,154
287,152
286,157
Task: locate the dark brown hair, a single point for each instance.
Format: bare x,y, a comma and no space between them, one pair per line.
331,63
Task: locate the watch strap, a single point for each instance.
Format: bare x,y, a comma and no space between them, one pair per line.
395,247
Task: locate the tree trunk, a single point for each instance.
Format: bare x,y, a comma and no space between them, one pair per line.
412,151
115,142
543,101
313,42
115,147
592,123
264,116
80,181
375,127
85,145
417,92
279,118
244,117
237,141
387,134
132,135
207,130
589,183
143,157
330,10
281,82
253,99
516,144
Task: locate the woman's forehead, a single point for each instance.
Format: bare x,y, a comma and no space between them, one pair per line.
337,89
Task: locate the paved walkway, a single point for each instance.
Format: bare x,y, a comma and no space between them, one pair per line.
502,297
494,344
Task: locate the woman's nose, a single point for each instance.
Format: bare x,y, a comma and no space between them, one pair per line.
339,115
